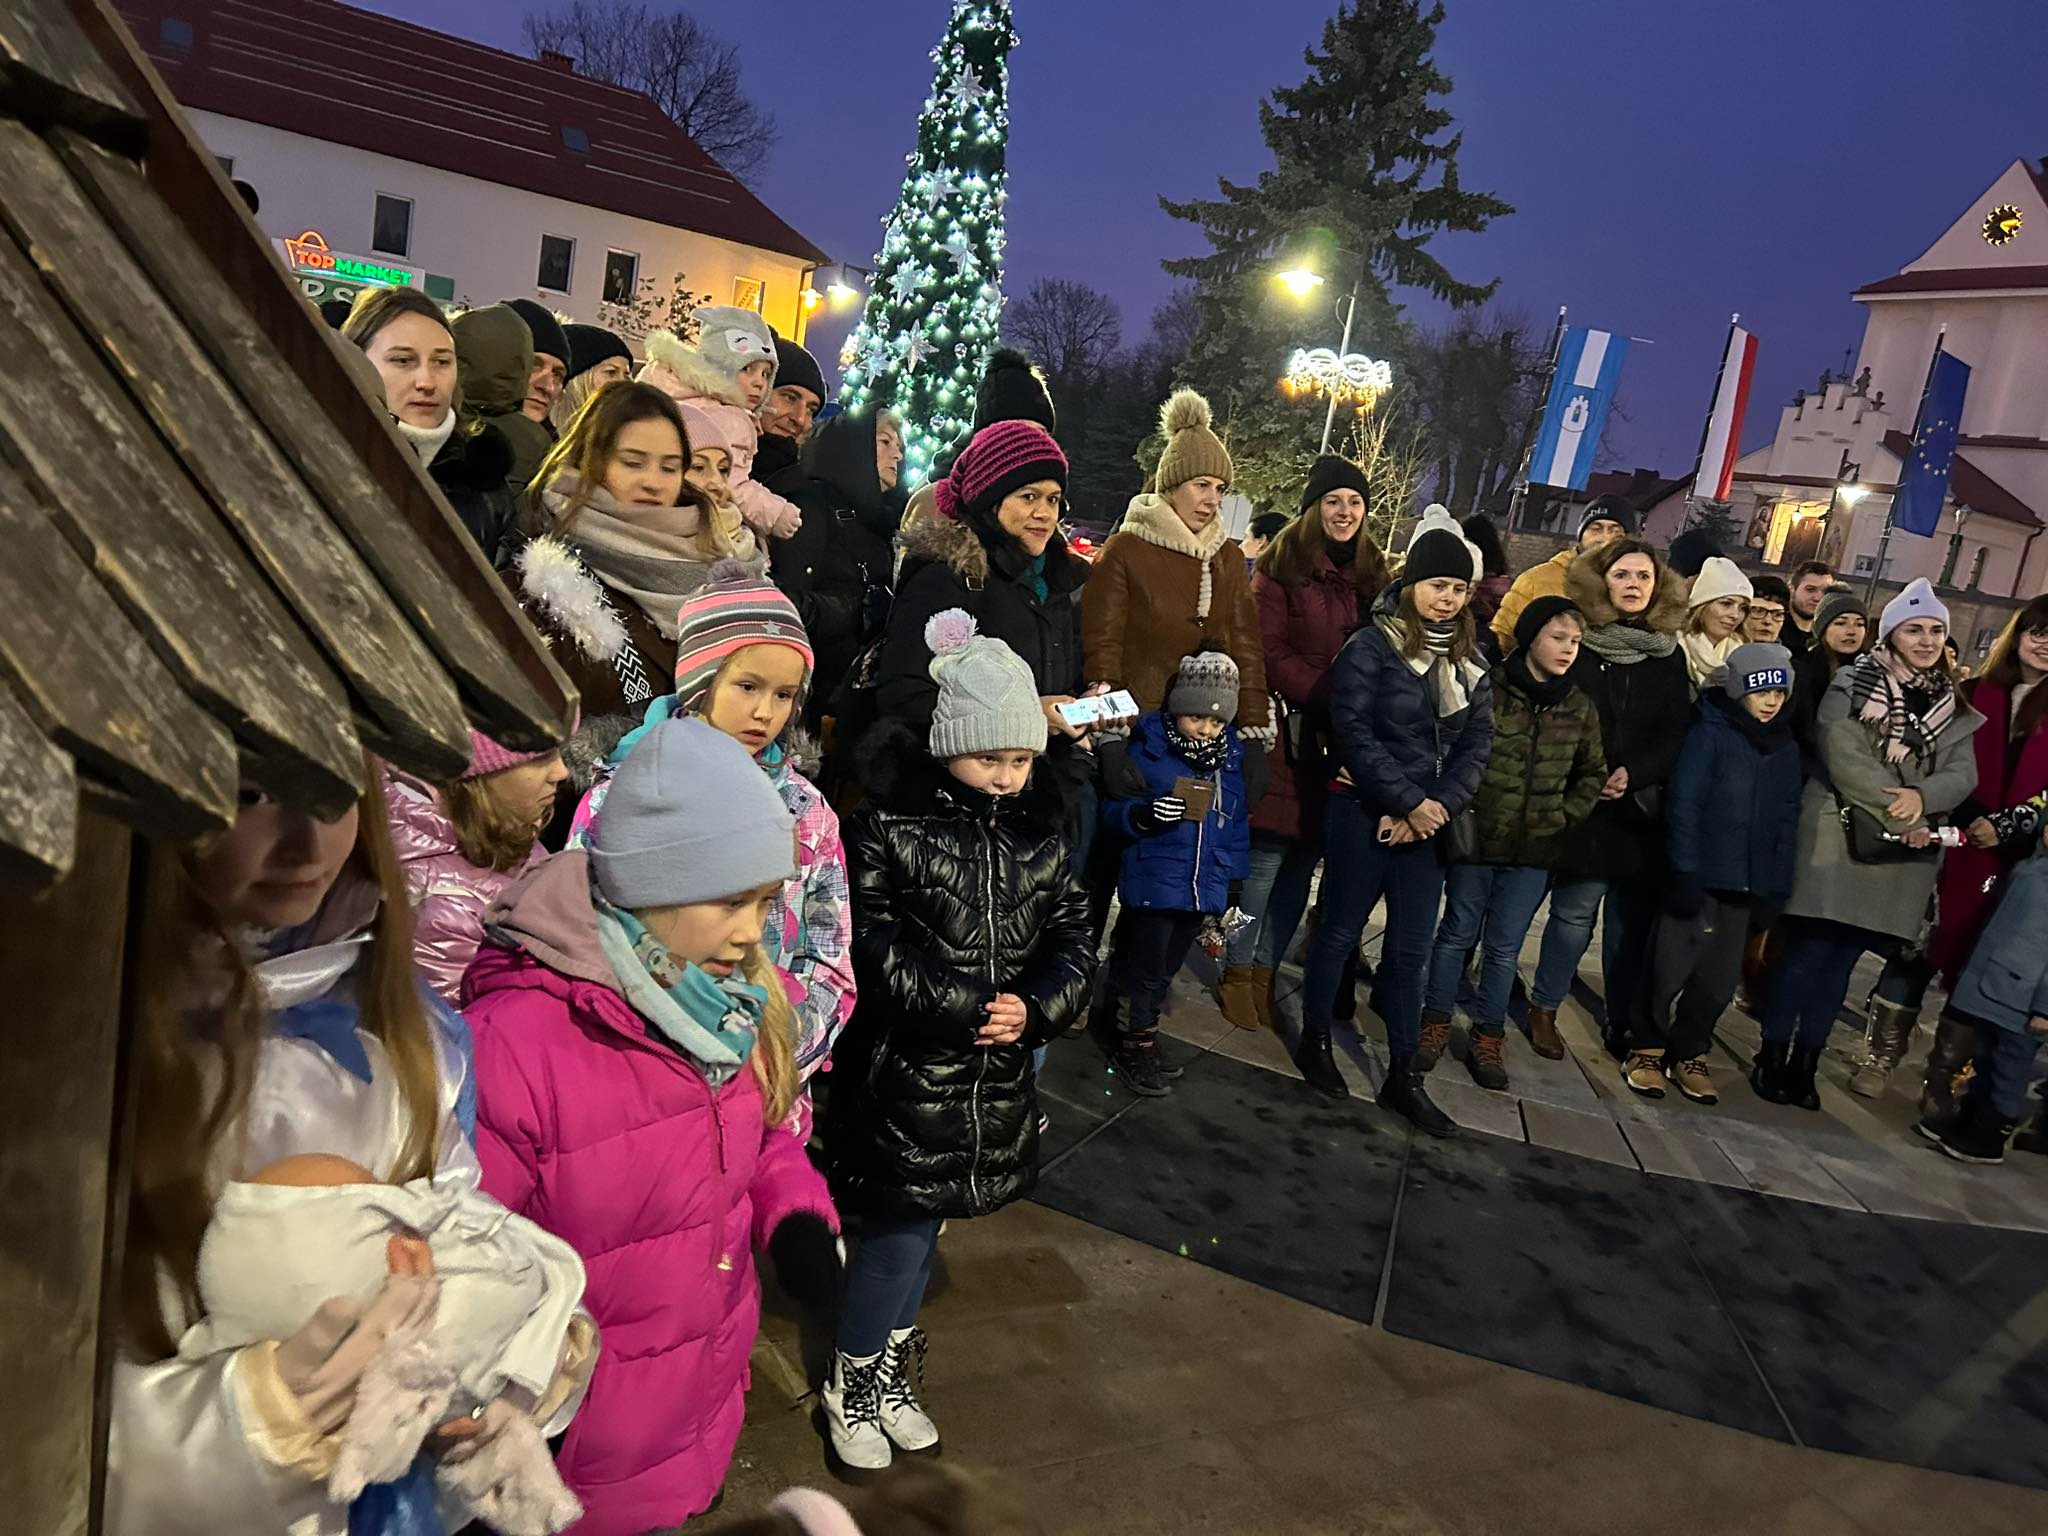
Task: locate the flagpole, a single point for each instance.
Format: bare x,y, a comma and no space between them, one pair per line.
1521,496
1699,459
1884,539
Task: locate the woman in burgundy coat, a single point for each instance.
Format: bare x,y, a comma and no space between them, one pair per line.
2012,766
1315,583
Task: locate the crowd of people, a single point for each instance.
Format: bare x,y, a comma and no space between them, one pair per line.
496,1091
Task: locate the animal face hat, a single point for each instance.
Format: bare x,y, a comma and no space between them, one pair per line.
731,338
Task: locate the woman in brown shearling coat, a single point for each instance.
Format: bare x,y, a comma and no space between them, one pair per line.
1171,578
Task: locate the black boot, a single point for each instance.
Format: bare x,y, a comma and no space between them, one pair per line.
1404,1094
1767,1076
1980,1138
1943,1124
1318,1063
1799,1072
1955,1042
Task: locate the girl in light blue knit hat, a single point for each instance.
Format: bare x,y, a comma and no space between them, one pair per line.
971,947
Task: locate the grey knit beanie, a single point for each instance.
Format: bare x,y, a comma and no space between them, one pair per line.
988,699
1204,684
689,817
1837,602
1757,667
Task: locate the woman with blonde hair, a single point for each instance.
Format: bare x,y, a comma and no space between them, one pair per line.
1718,604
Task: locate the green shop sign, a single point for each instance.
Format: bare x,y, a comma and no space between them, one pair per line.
309,256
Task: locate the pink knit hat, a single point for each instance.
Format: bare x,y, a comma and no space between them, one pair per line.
704,431
487,757
998,459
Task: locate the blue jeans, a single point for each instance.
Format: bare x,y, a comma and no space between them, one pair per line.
1275,895
1812,978
2005,1066
1490,905
885,1283
1358,869
1631,919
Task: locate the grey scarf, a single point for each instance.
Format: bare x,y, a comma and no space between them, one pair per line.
1626,644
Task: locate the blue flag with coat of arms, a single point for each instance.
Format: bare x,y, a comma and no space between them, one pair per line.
1581,396
1923,478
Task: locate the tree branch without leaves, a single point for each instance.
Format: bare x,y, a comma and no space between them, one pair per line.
690,74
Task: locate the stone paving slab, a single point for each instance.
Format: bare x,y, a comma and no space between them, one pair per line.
1679,1155
1473,1107
1582,1135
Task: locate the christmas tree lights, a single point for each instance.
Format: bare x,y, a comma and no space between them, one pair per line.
936,302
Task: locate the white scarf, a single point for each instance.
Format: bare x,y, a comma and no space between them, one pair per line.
1707,659
1448,683
1153,519
426,442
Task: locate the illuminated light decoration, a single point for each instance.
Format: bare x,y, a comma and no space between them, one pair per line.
2002,224
935,302
1352,379
310,253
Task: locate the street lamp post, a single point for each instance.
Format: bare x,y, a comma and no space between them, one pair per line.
839,289
1301,281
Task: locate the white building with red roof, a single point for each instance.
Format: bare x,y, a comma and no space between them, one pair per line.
385,152
1982,289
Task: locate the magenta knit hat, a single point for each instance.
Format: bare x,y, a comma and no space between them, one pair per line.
998,459
487,757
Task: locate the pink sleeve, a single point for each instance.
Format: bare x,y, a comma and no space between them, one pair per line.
764,511
786,1182
510,1127
447,926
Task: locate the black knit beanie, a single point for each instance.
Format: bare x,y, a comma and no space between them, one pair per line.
548,335
1012,389
795,365
1333,472
1439,552
1613,509
1691,550
590,345
1541,610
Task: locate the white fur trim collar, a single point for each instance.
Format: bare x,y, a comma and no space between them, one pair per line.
1149,517
573,600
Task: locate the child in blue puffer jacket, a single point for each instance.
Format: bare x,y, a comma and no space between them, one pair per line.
1188,842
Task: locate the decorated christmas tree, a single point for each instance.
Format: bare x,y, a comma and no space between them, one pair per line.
936,300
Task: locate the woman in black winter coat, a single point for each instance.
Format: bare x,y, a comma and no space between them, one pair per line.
1631,666
838,566
1411,718
997,552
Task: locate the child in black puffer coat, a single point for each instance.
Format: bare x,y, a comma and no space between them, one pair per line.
972,947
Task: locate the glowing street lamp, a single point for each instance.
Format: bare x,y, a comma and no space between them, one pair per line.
1299,281
1318,370
1849,495
839,291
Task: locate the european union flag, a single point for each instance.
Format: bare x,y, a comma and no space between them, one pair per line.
1923,478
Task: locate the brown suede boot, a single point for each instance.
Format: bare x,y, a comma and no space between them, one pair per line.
1237,990
1262,996
1543,1036
1436,1034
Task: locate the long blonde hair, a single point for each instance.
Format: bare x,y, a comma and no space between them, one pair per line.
193,1093
774,1053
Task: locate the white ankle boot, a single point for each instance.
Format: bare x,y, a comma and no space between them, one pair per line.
852,1401
904,1420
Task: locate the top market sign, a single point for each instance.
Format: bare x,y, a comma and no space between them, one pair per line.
310,256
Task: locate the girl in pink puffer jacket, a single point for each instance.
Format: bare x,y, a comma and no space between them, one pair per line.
460,846
726,376
634,1057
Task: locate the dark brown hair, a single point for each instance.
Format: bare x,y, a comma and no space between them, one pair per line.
1291,558
2003,665
193,1092
1806,568
376,308
488,832
585,450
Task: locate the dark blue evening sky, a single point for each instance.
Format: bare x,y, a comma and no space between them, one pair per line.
1670,163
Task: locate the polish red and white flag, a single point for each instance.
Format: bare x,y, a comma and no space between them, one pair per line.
1723,443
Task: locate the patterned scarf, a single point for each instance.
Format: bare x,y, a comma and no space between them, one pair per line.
712,1022
1878,683
1448,683
1202,756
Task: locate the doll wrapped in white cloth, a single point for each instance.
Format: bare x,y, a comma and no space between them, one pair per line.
314,1227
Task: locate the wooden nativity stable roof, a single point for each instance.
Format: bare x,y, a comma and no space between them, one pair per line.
219,559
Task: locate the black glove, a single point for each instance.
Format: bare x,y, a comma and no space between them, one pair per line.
806,1256
1685,898
1258,772
1166,811
1121,779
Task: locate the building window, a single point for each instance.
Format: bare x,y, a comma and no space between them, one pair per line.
391,229
747,293
621,276
557,263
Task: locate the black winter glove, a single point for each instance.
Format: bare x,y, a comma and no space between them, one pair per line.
1685,899
806,1256
1258,772
1166,811
1120,777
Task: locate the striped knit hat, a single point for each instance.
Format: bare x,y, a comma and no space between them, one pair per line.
486,757
998,459
732,610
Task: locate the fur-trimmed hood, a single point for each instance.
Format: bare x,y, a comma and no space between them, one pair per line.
954,543
1151,518
904,779
1585,583
681,372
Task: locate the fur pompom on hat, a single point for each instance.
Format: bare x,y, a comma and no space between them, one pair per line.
988,699
1012,389
1431,546
1192,448
1206,684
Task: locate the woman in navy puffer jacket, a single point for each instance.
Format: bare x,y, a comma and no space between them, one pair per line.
1411,712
